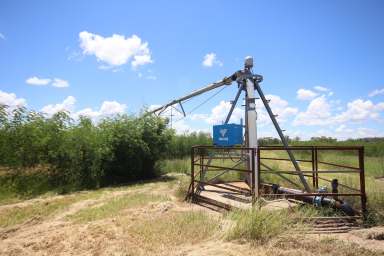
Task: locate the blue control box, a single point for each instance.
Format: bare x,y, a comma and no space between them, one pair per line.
227,135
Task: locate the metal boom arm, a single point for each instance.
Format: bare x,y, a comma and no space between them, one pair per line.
225,81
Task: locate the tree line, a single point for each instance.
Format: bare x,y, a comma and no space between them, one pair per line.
84,154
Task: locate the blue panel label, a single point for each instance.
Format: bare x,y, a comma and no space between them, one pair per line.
227,135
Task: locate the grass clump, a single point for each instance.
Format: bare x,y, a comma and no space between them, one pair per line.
182,186
174,229
258,225
114,206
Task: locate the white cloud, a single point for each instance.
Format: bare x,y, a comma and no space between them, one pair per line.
304,94
11,100
60,83
376,92
141,60
321,89
112,108
56,82
344,132
88,112
318,113
343,129
360,110
181,127
279,106
38,81
368,132
2,36
66,105
210,60
108,108
117,49
220,112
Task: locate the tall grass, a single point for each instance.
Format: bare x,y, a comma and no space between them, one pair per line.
182,165
257,225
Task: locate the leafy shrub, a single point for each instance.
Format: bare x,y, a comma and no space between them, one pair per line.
80,154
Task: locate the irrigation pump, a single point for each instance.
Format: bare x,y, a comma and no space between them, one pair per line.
226,138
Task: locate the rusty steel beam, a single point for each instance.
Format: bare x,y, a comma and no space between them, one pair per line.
284,159
223,168
339,165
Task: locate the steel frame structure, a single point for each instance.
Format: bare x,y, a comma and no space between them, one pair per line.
201,162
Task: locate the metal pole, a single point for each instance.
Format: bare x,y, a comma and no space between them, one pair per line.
251,125
224,81
281,135
258,167
234,104
193,173
313,167
316,168
253,168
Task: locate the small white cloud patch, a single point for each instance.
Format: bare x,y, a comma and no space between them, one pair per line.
210,60
34,80
66,105
318,113
116,50
108,108
376,92
304,94
112,108
60,83
56,82
321,89
11,100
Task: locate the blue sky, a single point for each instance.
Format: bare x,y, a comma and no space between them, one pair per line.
322,61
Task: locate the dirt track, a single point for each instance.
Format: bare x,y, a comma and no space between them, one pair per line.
58,235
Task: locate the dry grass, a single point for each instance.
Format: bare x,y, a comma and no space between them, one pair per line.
174,229
259,225
114,205
16,215
146,220
325,246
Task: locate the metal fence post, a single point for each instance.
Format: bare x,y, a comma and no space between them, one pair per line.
362,181
193,173
258,173
313,167
316,167
253,177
